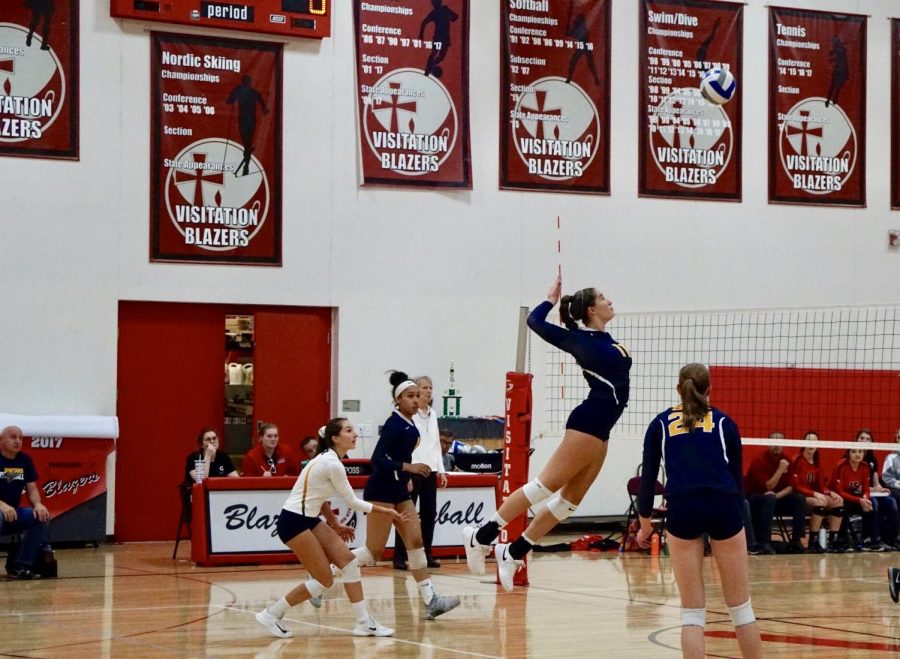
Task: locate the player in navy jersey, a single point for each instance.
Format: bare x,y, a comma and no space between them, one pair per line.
390,486
574,465
702,450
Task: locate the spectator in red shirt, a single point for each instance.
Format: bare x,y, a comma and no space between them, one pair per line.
769,490
851,481
807,480
885,506
268,458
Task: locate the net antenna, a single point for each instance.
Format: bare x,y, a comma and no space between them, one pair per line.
523,343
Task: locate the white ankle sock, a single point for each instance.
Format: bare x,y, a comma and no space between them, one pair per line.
279,608
426,590
360,611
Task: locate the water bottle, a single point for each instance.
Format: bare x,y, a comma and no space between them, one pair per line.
823,538
199,470
654,545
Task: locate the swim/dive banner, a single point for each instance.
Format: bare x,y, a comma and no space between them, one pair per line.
412,73
817,107
895,113
39,78
554,98
216,150
690,147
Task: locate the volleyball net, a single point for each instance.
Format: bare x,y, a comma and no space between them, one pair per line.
829,370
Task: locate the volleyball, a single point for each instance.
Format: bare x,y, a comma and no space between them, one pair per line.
718,86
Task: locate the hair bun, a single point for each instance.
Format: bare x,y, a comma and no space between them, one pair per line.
322,432
397,377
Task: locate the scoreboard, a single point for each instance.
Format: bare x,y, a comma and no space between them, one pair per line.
292,18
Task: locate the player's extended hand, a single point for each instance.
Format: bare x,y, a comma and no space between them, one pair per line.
555,291
442,479
345,533
644,533
397,516
418,468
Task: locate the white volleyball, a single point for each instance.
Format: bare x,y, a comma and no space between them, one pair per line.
718,86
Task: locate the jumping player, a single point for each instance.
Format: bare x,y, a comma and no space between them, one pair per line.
574,465
318,545
703,493
390,485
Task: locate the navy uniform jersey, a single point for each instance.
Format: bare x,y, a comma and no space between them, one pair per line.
707,458
399,437
604,362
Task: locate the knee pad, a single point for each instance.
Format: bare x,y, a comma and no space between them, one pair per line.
693,617
351,572
314,587
821,511
836,512
416,558
742,614
560,508
535,491
363,555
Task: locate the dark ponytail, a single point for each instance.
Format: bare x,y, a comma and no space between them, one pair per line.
327,435
396,378
573,308
694,382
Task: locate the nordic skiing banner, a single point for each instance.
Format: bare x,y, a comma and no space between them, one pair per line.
216,150
412,73
554,98
39,78
690,147
817,107
895,113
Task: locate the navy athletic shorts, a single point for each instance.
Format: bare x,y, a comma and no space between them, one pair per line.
595,417
385,487
718,514
290,524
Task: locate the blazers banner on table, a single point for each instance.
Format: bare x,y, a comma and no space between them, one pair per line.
690,148
39,78
817,107
216,150
412,72
554,96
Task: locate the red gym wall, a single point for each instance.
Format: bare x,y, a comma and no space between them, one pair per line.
839,402
170,384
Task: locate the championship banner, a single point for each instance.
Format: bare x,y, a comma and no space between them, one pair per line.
412,71
690,147
895,109
70,471
554,107
817,107
39,78
216,150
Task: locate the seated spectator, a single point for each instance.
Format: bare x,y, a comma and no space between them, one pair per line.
17,473
807,480
310,446
851,482
890,473
218,462
450,461
268,458
885,506
769,490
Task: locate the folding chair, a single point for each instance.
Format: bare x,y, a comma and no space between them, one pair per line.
184,517
657,516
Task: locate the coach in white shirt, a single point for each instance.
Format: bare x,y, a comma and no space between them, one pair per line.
424,490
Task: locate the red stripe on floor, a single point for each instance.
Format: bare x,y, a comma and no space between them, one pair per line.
809,640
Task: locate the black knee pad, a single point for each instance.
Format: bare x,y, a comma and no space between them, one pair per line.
836,512
820,510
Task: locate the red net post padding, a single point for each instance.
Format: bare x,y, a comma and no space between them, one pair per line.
516,449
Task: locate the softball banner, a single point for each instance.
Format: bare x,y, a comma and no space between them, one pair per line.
895,113
412,72
817,107
39,78
216,150
690,147
554,97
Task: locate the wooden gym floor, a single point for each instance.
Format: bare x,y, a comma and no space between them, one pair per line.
134,601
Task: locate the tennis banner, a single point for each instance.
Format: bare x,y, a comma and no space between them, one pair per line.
412,74
554,95
215,174
690,147
817,107
895,111
39,78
